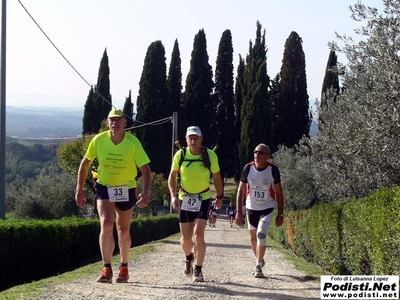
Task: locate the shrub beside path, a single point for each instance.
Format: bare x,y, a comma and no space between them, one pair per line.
227,273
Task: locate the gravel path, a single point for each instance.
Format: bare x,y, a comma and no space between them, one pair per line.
227,273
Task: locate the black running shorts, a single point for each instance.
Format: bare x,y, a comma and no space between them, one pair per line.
102,194
254,216
189,216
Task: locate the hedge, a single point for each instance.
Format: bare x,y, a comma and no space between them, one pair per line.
35,249
357,236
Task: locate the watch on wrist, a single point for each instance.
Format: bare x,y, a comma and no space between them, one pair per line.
220,197
281,215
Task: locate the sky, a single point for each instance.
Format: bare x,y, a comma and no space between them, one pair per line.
38,75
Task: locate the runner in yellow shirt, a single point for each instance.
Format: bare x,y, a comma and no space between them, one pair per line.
119,154
193,198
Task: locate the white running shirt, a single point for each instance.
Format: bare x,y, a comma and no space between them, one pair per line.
260,191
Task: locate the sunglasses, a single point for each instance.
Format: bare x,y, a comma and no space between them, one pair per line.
260,152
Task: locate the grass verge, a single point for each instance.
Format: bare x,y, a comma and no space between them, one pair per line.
312,271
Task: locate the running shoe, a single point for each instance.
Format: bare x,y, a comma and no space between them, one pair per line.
258,272
123,275
262,263
106,276
197,276
189,267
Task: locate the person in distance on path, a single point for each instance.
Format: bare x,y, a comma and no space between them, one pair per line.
193,199
230,212
260,185
214,212
119,154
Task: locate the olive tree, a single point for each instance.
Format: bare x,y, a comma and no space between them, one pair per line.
297,177
356,151
51,195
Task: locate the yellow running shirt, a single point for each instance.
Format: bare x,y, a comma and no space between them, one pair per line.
195,178
117,163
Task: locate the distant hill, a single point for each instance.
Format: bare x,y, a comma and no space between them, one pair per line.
53,122
43,122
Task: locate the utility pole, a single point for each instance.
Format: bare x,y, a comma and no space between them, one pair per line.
174,138
3,112
174,132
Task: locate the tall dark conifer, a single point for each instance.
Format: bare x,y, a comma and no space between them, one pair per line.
174,85
226,139
238,121
128,110
331,79
330,86
277,114
174,81
199,104
255,113
295,105
153,105
102,96
89,117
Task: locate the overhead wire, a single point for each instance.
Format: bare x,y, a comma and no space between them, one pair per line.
158,122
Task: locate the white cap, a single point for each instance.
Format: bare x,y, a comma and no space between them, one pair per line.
193,130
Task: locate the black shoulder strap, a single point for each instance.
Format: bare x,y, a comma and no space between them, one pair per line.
183,153
204,157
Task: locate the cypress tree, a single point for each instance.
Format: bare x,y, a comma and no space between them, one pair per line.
174,81
102,97
277,113
226,139
128,110
238,122
199,104
255,112
153,105
295,105
330,86
89,117
331,79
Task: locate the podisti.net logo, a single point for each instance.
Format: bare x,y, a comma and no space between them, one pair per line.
360,287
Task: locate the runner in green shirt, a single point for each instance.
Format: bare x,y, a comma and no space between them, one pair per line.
119,154
194,198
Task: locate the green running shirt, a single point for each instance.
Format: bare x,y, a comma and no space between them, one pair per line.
117,163
195,177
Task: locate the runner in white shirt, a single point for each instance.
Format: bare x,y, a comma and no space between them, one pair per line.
260,185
